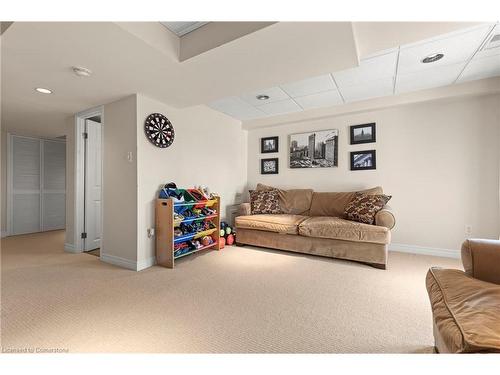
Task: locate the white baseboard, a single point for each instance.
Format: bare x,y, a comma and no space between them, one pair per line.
4,234
119,261
70,248
434,251
146,263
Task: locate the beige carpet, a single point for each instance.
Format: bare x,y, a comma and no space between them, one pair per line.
236,300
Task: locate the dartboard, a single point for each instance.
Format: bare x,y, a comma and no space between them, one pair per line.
159,130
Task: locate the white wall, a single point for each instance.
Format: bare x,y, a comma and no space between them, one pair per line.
119,193
439,160
209,149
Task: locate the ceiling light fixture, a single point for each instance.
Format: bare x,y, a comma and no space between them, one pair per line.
42,90
432,58
82,72
262,97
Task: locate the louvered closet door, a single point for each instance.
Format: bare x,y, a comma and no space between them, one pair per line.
26,173
53,185
38,185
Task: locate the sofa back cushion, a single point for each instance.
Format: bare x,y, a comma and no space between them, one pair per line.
334,203
293,201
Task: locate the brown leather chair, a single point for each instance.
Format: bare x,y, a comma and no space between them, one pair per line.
466,305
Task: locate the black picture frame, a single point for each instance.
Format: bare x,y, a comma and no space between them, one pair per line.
273,140
369,164
357,139
275,170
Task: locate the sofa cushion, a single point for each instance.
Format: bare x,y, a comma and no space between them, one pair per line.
364,207
340,229
334,203
283,223
465,311
265,202
292,201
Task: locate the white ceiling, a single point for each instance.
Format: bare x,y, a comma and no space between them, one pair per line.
183,28
294,59
468,55
127,58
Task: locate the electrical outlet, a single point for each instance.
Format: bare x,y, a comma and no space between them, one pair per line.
468,230
151,232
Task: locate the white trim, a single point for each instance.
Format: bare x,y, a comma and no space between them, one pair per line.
146,263
422,250
79,171
119,261
4,234
70,248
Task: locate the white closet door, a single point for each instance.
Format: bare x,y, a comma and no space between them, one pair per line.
54,185
93,167
25,185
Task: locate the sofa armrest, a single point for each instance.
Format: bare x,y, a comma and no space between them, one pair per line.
385,218
244,209
481,259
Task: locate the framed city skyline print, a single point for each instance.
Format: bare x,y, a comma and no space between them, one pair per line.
364,133
317,149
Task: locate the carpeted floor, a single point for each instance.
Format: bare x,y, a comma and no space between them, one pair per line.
236,300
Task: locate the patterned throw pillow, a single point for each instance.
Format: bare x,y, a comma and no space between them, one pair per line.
363,207
265,202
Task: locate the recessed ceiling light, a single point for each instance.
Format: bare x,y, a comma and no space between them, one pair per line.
43,91
262,97
432,58
81,71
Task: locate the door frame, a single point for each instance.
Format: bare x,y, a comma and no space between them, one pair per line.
79,188
10,178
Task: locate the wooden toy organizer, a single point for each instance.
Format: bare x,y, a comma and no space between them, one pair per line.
165,225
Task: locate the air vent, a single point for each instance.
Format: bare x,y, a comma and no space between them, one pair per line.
494,42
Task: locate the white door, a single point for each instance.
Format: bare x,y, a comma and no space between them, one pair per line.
93,166
53,185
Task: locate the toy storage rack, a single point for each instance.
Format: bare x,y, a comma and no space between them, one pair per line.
165,225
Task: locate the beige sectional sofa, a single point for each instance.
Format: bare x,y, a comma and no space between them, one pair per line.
312,223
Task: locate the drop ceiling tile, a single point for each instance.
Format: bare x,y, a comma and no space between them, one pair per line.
456,47
281,107
481,68
374,68
237,108
309,86
428,78
322,99
275,94
492,46
368,89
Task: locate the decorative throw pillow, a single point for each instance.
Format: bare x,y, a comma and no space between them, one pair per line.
363,207
265,202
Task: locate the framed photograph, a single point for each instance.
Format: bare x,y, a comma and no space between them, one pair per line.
269,166
364,133
363,160
269,144
317,149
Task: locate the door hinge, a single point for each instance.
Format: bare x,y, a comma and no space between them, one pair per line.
85,135
84,235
